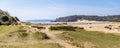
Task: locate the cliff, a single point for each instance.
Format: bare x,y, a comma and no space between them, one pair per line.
72,18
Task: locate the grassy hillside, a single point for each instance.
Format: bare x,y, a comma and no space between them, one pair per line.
90,39
7,19
18,37
7,29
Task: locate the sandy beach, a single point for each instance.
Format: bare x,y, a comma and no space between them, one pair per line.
88,25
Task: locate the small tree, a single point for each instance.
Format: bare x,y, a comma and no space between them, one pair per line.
5,18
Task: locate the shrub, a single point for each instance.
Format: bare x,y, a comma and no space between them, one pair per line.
22,34
108,27
16,18
22,30
65,28
39,36
80,28
5,18
38,27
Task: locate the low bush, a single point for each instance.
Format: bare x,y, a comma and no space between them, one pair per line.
65,28
108,27
8,20
22,34
22,30
38,27
39,36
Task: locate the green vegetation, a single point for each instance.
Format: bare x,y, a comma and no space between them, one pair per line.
64,28
6,19
38,27
18,37
108,27
22,34
38,45
39,36
92,39
7,29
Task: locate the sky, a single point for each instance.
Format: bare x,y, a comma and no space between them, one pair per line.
52,9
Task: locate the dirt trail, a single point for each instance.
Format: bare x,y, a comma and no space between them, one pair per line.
56,39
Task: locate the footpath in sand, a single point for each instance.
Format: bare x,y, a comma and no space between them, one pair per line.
55,39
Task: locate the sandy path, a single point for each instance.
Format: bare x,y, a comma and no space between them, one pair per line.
56,39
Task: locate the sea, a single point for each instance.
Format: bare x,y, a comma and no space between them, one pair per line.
39,21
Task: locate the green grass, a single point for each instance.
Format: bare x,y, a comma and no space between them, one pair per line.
39,45
19,37
100,40
7,29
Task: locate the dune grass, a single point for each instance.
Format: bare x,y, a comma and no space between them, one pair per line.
39,36
7,29
38,27
39,45
17,37
98,39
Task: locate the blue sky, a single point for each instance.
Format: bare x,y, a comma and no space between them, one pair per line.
51,9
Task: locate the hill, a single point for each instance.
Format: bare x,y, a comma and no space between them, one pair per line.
7,19
72,18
